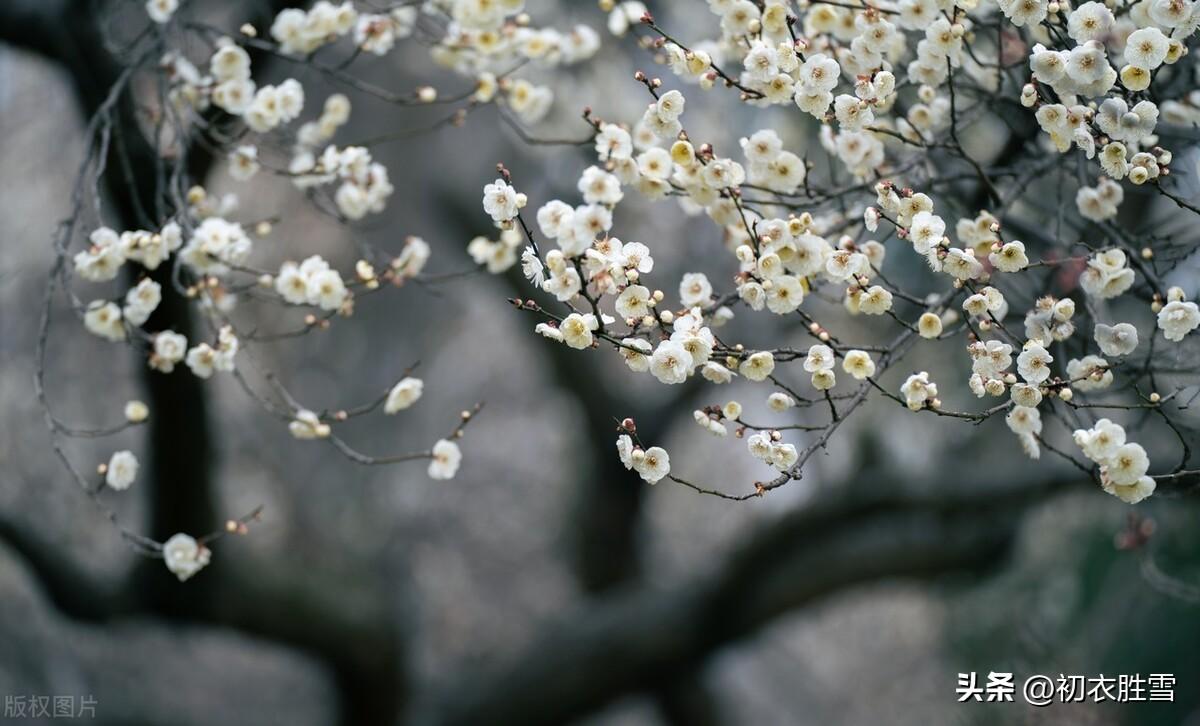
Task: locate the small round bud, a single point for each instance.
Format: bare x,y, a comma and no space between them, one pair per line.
136,411
364,270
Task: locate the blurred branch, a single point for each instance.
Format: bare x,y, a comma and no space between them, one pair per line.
345,617
75,592
607,510
624,643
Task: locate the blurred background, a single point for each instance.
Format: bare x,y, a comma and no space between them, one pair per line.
544,584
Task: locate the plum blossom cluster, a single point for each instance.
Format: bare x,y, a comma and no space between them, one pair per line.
1052,321
476,38
1123,465
652,464
363,185
199,88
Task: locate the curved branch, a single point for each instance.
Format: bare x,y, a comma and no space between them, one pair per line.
624,643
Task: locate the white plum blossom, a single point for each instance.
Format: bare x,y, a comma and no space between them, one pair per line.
169,348
1127,464
216,245
1133,493
929,325
757,366
652,465
122,469
1034,363
636,353
136,411
1089,373
104,320
1116,340
1100,442
918,391
625,450
500,201
820,358
1146,48
780,402
446,457
695,289
549,331
307,425
103,259
1026,395
577,330
325,289
1010,257
671,362
141,301
1178,318
184,556
1024,420
160,11
858,364
403,394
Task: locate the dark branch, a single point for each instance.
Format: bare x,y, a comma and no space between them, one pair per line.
625,643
